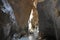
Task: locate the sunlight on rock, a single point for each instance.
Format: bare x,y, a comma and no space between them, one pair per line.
29,21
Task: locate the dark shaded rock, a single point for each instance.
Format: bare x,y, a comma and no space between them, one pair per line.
46,23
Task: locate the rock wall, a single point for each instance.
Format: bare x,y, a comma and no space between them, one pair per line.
49,18
46,18
22,11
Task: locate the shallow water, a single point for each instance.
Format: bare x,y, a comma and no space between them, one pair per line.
30,37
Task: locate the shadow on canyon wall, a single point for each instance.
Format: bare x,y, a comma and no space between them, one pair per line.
49,18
